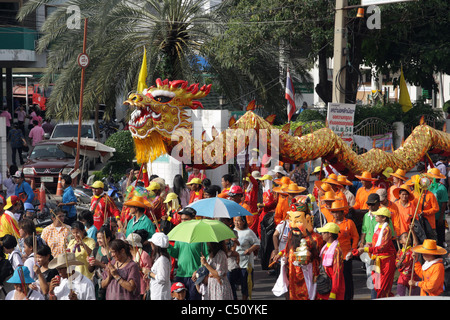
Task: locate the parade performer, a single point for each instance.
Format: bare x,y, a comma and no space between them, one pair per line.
383,252
269,202
406,205
432,272
282,200
251,189
197,190
363,193
332,261
398,178
158,207
303,266
102,206
404,263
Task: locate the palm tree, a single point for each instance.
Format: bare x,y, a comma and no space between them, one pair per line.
172,31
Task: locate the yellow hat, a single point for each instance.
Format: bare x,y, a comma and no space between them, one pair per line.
330,227
195,181
170,196
153,186
98,185
265,177
383,211
316,170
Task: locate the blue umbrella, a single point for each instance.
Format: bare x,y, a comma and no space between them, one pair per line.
218,208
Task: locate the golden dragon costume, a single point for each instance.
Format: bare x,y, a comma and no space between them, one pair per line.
159,125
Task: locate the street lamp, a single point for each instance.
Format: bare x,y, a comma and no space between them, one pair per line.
222,101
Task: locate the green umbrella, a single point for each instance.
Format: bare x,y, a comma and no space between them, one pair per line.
205,230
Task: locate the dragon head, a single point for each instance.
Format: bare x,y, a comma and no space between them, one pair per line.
159,112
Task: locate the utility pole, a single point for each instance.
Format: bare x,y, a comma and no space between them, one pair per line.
340,42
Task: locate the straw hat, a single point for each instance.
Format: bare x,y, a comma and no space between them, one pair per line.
323,186
366,176
64,259
429,247
134,240
279,169
343,180
435,173
195,181
396,192
333,179
401,174
256,174
283,180
137,201
170,196
280,188
329,196
330,227
338,205
293,188
383,211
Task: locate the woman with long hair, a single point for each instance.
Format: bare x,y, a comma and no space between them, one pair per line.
121,277
181,190
41,270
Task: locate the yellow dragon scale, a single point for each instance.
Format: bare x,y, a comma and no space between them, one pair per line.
159,115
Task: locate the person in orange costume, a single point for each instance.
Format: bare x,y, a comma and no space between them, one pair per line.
348,240
432,272
251,202
227,182
383,252
428,206
337,187
300,222
398,178
196,192
282,200
406,205
102,205
363,193
333,262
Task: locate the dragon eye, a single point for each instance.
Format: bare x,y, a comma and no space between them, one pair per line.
162,99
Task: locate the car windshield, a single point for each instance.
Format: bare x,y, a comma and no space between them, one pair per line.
48,151
71,130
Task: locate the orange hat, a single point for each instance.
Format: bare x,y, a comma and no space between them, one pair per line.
400,173
429,247
137,201
343,180
293,188
366,176
415,178
333,179
396,192
323,186
329,196
279,189
282,180
338,205
435,173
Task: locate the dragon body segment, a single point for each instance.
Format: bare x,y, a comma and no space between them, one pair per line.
159,125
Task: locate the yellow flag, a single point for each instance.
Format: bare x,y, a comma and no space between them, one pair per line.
404,99
143,74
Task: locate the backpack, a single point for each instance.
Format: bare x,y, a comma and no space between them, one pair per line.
323,282
6,270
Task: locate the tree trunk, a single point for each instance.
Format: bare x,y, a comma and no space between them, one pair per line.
324,87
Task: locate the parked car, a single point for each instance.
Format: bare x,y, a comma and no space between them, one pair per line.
47,160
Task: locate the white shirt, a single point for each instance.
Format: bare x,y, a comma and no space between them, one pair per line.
160,285
283,230
247,238
33,295
29,263
81,285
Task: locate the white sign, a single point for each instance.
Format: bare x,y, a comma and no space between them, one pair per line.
377,2
83,60
340,118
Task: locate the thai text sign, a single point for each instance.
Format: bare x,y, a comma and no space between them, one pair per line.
340,118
